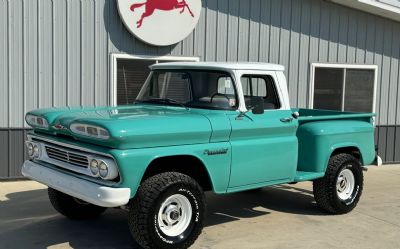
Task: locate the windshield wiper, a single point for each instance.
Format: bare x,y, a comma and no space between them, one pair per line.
165,100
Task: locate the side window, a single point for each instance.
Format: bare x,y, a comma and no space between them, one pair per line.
260,86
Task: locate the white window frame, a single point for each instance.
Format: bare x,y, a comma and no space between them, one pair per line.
113,68
345,67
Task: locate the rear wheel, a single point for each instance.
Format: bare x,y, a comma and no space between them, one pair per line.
167,212
339,191
72,207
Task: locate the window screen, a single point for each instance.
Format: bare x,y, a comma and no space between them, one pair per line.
359,92
131,74
174,85
344,89
328,87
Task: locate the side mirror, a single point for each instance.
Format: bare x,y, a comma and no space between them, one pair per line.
257,105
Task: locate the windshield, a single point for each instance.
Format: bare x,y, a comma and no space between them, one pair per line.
189,88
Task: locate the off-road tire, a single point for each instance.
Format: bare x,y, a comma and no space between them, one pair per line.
144,208
73,208
325,192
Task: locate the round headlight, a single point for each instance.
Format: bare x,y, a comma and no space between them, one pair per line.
94,167
36,151
30,150
103,170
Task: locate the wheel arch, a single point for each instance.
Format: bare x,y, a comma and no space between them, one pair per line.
348,148
186,164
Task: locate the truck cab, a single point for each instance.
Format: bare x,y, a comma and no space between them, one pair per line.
195,127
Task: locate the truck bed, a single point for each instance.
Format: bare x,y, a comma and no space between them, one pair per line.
307,115
321,132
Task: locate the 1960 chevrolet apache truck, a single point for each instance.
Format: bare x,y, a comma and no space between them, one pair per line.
195,127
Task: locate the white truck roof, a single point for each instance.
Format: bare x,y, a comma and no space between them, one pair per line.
220,66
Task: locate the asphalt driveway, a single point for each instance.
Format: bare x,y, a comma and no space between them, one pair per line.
283,216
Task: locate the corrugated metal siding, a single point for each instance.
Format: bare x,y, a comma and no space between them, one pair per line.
13,155
388,141
56,53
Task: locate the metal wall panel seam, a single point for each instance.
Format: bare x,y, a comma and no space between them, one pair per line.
80,54
351,38
108,57
238,34
343,38
378,59
323,43
303,56
386,62
23,64
398,95
38,54
294,47
53,52
307,83
370,43
333,35
361,37
247,39
392,88
259,32
94,54
66,53
288,69
9,63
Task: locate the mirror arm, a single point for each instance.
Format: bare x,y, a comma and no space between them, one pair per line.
244,114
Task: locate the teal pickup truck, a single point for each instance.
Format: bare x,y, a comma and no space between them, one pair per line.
195,127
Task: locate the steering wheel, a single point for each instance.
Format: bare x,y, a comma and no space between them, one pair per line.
218,94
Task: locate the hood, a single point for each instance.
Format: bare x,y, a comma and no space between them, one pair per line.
136,126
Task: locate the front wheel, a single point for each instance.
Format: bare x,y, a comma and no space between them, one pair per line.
72,207
339,191
167,212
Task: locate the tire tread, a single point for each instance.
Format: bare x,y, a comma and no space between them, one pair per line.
324,188
143,202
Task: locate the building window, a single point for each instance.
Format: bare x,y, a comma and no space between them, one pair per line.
343,87
129,72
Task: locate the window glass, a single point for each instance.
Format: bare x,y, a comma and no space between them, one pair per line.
343,89
328,88
260,86
192,88
359,93
174,85
225,85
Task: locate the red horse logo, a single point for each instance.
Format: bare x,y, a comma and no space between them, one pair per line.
152,5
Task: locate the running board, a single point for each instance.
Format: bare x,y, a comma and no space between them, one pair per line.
302,176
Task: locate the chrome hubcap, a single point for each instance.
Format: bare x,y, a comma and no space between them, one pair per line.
175,215
345,184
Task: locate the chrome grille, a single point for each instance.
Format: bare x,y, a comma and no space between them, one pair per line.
67,156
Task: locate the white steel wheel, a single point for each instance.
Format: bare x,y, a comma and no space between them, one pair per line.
345,184
175,215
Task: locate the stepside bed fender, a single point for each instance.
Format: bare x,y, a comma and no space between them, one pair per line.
318,141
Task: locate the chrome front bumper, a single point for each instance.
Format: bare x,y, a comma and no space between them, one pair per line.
85,190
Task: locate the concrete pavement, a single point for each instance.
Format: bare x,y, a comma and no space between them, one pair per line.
283,216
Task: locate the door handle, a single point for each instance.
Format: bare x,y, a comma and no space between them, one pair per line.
286,120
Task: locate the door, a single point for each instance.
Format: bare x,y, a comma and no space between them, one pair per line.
264,146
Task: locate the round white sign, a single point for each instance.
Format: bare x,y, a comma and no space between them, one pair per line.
160,22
